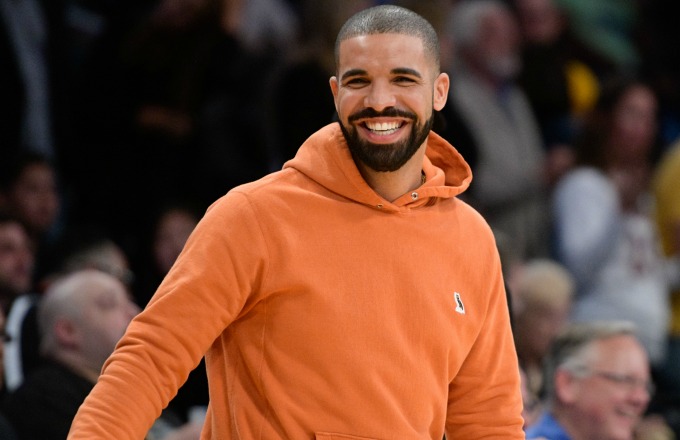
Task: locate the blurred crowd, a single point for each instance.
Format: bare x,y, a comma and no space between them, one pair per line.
122,121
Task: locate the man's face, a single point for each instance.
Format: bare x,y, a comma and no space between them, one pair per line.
498,46
172,233
16,258
107,312
385,93
611,399
35,196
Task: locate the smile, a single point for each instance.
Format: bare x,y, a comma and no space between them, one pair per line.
383,128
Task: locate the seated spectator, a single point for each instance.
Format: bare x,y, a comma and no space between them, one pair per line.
29,190
489,120
6,430
166,236
598,384
559,84
542,296
666,185
88,252
603,222
17,259
81,318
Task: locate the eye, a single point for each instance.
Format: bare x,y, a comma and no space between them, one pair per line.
356,82
404,80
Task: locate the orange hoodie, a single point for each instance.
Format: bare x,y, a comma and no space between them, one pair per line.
326,312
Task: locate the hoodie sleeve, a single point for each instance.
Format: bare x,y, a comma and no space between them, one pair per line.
484,398
210,284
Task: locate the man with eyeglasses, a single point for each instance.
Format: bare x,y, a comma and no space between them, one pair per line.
597,384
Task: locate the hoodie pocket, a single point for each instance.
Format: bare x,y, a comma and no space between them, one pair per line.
336,436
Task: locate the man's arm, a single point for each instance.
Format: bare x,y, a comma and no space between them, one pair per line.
204,292
485,399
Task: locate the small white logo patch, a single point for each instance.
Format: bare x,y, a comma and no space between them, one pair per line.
460,308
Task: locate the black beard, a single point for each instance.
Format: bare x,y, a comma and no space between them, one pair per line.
385,157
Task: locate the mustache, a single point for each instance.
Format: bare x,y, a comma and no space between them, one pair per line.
388,112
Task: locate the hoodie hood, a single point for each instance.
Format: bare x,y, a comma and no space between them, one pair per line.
325,158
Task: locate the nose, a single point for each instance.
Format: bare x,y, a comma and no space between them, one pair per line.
380,96
640,395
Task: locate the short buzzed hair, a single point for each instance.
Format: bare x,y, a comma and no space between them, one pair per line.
390,19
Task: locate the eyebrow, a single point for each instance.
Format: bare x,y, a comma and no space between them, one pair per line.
395,71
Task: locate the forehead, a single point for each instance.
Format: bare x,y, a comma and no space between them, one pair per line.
104,290
622,351
387,51
639,96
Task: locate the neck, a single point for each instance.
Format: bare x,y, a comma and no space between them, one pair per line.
78,365
392,185
571,422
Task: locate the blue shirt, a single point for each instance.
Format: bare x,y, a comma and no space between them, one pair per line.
548,428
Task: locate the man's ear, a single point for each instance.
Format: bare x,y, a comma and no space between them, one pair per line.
334,89
66,333
566,386
441,91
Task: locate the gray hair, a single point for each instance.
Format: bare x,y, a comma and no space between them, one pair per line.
466,19
390,19
570,350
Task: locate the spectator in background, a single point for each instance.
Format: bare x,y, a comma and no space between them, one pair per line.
17,293
543,292
598,384
85,252
489,120
604,233
297,101
81,318
29,190
560,86
6,429
16,260
80,321
666,187
168,233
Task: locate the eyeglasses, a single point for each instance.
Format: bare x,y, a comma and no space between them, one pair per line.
629,382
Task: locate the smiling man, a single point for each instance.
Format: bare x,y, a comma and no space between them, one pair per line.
351,295
598,383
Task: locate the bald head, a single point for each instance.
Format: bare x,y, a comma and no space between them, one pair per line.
81,318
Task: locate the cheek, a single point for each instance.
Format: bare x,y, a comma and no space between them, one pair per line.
347,103
599,403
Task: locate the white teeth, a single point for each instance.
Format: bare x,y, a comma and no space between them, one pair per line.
383,127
